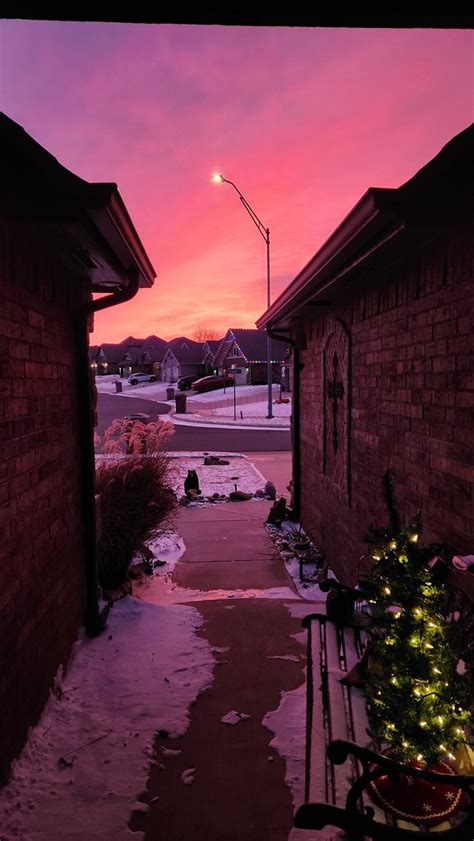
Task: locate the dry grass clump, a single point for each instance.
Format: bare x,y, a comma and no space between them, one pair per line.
137,500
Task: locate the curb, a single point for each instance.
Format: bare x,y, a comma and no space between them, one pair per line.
178,419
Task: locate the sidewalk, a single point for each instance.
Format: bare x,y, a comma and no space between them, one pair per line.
135,734
238,789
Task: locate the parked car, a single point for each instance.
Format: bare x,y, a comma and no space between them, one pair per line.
184,383
134,379
211,382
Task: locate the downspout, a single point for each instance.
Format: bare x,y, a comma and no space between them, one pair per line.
95,621
295,426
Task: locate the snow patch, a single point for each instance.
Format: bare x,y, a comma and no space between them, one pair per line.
166,548
293,657
233,717
187,777
216,478
288,723
161,589
139,676
169,752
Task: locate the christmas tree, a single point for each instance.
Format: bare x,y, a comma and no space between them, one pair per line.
418,702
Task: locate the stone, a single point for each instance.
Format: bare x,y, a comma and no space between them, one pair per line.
239,495
270,490
277,512
191,483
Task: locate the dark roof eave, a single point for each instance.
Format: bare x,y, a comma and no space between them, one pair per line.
114,223
438,195
370,214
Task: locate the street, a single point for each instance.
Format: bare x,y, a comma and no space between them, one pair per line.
191,438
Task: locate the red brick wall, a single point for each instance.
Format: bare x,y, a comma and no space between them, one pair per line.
411,334
41,555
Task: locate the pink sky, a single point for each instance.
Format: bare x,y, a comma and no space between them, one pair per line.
304,120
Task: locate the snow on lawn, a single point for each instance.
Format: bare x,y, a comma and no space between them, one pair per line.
213,478
218,395
210,419
87,761
155,391
256,410
216,478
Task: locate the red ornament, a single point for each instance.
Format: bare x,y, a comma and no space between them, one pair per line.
415,799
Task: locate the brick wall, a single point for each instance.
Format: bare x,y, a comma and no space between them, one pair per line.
410,408
41,554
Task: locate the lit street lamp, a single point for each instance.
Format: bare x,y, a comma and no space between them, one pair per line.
265,232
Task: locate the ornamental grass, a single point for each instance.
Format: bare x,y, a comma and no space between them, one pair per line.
137,499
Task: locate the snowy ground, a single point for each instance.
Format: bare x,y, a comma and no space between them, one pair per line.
213,478
216,407
217,478
86,763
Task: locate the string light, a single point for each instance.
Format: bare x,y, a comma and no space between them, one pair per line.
419,641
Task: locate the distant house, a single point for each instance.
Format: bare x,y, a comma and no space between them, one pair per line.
62,239
184,357
244,354
127,357
210,348
381,320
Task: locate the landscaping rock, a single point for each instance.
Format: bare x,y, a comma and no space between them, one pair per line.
270,490
277,512
239,495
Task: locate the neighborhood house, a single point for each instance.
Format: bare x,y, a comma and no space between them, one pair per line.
380,321
243,353
62,239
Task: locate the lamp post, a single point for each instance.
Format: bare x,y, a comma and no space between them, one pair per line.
265,232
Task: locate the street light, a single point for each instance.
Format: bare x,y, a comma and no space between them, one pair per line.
265,232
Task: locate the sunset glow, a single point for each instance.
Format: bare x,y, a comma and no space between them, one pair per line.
303,119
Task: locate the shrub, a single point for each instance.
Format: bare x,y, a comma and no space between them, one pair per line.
137,500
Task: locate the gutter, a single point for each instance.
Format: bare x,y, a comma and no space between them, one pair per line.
295,426
95,618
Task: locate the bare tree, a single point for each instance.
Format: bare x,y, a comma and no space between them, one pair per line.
205,334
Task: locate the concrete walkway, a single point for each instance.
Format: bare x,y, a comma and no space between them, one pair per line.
239,792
